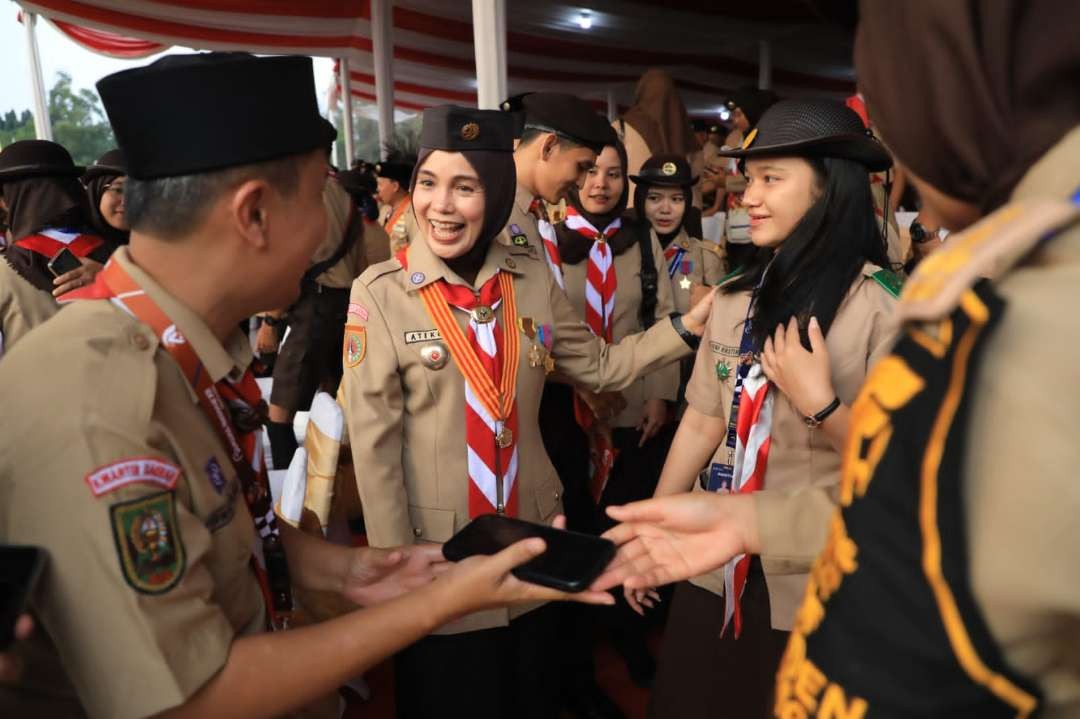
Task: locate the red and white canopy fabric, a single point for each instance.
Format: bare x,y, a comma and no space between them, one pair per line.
709,51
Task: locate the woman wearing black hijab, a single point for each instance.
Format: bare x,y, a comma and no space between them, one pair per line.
447,347
48,212
104,182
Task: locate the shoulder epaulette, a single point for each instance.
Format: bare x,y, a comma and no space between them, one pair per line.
712,247
377,270
990,248
890,281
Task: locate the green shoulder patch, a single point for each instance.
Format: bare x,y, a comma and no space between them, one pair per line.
730,276
890,281
148,542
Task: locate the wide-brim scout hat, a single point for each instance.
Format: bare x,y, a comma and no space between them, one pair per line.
36,158
111,163
191,114
665,170
813,128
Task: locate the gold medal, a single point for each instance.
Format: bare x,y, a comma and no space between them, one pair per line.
549,364
536,357
504,438
483,314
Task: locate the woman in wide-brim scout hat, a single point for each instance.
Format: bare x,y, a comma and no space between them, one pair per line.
104,182
790,340
446,352
47,212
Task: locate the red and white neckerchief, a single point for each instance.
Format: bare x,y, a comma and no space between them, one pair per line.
487,358
600,279
753,430
550,240
232,408
53,239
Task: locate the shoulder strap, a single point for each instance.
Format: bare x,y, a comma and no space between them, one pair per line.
649,278
990,248
354,228
891,281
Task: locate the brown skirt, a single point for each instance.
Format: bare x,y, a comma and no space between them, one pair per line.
702,674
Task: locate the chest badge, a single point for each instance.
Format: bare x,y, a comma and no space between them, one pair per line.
434,355
723,370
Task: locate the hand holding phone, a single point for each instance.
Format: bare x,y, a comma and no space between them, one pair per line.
63,262
570,562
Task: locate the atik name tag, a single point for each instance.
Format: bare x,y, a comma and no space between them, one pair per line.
414,336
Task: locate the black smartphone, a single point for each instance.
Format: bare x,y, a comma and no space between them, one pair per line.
20,568
570,563
63,261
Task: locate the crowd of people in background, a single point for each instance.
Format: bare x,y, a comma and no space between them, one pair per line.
783,361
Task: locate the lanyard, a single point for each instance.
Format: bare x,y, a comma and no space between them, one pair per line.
274,580
721,475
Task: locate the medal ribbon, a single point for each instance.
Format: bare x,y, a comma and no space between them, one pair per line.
674,254
245,449
488,359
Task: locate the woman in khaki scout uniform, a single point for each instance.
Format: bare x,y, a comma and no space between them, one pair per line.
446,352
104,183
816,276
604,257
154,593
959,481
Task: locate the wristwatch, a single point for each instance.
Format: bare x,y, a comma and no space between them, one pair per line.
692,340
815,420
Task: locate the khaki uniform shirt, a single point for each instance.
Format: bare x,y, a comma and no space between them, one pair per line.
406,419
524,220
664,382
803,474
707,259
22,307
373,247
1022,497
128,652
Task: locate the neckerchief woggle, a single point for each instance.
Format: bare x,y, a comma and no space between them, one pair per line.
115,284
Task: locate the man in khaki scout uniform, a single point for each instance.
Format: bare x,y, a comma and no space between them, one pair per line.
396,217
154,591
560,137
947,585
308,359
420,447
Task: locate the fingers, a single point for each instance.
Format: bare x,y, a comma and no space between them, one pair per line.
817,338
517,554
429,552
791,337
646,510
559,522
24,627
631,596
779,340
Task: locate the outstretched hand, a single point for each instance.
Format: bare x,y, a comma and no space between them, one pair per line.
668,539
376,575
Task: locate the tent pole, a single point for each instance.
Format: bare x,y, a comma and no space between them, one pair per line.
764,65
346,112
42,126
489,40
382,51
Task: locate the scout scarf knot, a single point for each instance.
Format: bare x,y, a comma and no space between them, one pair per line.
220,402
551,242
487,358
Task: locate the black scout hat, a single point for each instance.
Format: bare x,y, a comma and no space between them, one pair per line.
186,114
36,158
458,129
515,105
753,102
111,163
399,171
666,170
813,128
568,116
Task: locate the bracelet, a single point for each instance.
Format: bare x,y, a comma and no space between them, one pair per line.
692,340
815,420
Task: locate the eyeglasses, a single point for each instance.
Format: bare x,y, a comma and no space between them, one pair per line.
118,189
920,234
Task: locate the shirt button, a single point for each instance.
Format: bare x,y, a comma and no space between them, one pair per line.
556,495
417,531
139,340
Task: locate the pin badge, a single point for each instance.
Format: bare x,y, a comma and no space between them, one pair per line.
669,168
417,278
483,314
434,355
470,131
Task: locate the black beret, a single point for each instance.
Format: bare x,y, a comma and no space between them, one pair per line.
569,116
36,158
457,129
186,114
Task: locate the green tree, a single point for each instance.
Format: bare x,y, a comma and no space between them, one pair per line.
78,121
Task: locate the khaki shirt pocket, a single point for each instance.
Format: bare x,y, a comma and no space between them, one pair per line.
431,525
548,500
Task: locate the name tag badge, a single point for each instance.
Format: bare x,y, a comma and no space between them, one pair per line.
417,336
721,478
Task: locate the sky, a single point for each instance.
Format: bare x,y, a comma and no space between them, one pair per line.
58,53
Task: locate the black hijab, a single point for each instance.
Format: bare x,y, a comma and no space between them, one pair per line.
573,246
97,178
